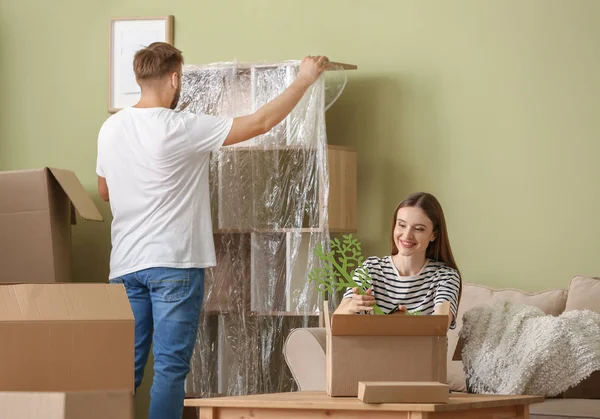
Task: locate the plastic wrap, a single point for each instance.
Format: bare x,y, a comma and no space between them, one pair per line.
269,201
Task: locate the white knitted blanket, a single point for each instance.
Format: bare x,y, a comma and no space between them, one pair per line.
517,349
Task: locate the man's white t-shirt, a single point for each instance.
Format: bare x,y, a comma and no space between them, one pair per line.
156,165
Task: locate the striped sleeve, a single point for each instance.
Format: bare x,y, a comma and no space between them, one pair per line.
356,279
448,288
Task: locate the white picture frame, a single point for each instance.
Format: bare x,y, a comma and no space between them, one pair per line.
127,36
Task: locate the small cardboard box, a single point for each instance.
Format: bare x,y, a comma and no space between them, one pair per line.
403,392
36,213
73,405
66,337
384,348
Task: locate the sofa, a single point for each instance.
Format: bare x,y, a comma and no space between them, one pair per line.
304,349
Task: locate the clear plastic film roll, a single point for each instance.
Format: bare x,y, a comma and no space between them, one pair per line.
269,199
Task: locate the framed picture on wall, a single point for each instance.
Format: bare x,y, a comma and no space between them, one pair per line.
127,36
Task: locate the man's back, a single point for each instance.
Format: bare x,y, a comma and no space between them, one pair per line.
155,162
153,168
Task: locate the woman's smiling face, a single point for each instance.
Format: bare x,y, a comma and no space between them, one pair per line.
413,231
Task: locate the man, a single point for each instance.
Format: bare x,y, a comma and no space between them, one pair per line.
153,164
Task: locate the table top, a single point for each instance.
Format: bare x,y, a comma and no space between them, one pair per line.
320,400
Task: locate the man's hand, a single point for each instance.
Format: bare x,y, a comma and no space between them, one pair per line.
311,68
273,112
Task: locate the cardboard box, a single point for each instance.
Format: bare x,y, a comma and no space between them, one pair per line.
66,337
403,392
75,405
384,348
36,213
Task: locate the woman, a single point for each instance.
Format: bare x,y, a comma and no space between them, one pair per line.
420,273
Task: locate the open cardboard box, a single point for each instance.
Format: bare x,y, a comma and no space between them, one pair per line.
384,348
37,208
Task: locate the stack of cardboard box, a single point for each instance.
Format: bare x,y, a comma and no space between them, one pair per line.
67,349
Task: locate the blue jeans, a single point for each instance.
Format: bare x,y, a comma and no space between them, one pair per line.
166,305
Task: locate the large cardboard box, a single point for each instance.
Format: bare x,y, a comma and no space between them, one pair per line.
36,213
66,337
74,405
384,348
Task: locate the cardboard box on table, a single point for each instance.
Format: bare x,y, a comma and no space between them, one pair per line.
384,348
37,208
403,392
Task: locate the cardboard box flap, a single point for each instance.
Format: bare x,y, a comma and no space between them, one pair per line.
457,356
77,194
395,325
52,302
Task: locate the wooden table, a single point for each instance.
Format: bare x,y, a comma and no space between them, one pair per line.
316,404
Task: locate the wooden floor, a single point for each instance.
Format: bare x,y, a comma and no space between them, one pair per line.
312,404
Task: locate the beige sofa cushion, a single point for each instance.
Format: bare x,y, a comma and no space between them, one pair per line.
550,302
584,293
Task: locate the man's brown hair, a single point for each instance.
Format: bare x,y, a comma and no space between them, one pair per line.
156,61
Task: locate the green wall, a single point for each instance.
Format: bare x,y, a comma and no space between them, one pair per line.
491,105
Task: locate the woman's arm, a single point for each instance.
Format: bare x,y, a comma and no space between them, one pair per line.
344,307
448,291
444,308
355,303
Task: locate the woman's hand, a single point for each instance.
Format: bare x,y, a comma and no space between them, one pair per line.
399,310
360,302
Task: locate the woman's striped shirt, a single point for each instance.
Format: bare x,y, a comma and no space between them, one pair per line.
436,283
